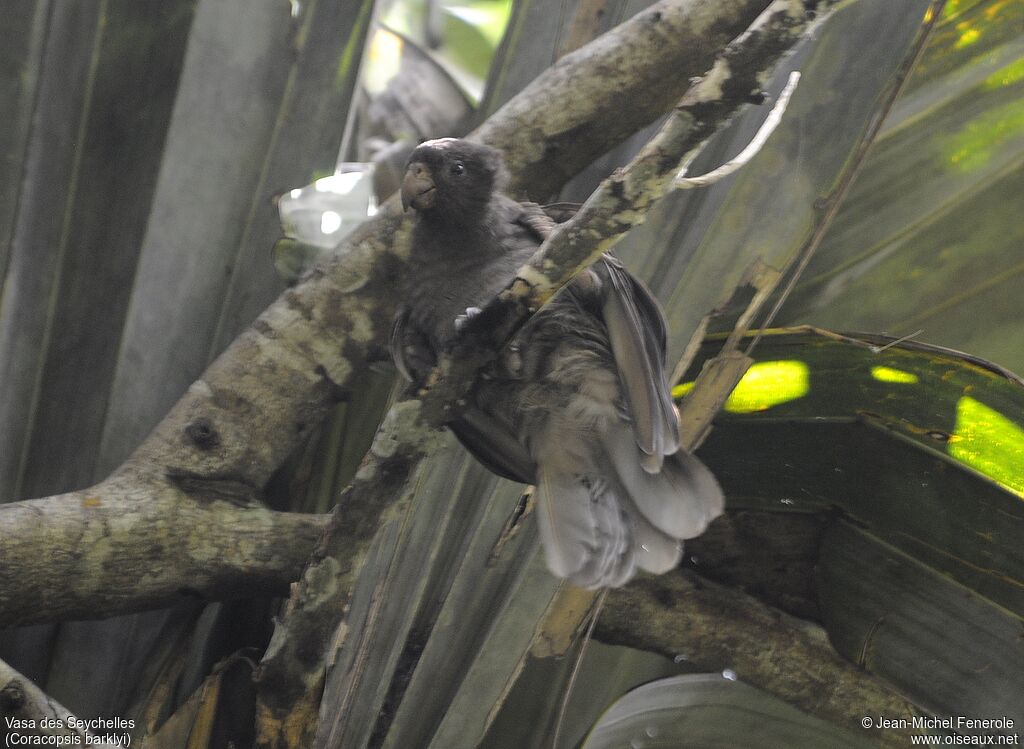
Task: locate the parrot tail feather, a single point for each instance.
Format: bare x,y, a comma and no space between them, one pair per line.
603,516
586,534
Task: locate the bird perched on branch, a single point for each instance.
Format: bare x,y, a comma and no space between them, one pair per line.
577,403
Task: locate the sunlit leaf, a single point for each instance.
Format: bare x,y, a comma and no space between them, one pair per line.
765,384
894,485
891,374
921,446
988,441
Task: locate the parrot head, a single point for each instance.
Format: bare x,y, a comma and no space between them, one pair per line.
452,179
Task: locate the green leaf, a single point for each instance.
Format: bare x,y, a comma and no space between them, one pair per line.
921,446
929,238
711,710
910,458
941,644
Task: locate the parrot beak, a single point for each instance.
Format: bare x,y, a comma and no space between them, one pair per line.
418,189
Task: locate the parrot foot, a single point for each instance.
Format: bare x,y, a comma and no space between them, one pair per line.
469,314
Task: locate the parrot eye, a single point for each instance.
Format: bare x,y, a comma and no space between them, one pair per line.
458,168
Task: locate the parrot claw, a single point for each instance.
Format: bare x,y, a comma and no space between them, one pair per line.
469,314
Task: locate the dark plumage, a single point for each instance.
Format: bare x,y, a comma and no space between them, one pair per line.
577,404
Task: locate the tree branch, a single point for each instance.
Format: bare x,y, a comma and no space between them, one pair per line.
118,548
656,52
623,200
713,627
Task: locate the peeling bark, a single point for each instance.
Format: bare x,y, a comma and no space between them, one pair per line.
652,56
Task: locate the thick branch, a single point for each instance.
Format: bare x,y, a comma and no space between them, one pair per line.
660,49
714,627
117,548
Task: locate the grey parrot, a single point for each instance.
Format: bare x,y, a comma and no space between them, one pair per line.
577,403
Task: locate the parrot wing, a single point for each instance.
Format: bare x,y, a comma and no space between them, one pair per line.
636,331
494,444
396,343
409,347
489,438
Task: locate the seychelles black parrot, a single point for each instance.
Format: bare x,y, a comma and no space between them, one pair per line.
577,403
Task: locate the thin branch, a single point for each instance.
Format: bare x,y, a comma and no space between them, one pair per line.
575,672
855,164
752,149
292,672
622,201
663,46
